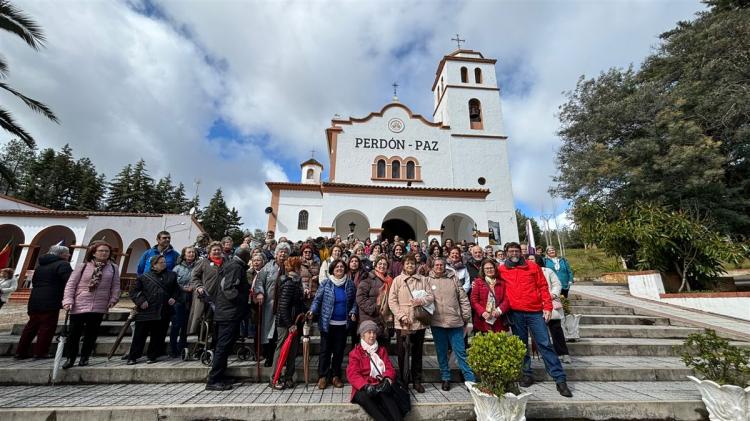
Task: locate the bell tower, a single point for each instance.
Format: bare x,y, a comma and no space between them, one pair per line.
466,95
311,171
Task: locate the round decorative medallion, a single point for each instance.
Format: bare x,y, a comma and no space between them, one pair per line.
396,125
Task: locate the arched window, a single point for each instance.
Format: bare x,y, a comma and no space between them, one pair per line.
310,174
464,75
475,114
302,220
478,75
381,168
395,169
410,170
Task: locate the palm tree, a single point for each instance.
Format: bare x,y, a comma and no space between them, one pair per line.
16,22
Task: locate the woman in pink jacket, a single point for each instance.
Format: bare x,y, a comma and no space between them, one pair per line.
93,288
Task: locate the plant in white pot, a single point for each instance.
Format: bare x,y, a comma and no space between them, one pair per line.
725,372
570,322
497,359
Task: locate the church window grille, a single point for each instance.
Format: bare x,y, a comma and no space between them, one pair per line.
302,220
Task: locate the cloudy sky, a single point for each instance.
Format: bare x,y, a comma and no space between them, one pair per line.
234,93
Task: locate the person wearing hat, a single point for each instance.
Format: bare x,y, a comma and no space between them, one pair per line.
368,366
201,245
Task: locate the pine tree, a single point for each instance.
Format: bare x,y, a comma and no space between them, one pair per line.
89,188
180,204
234,226
163,193
216,216
142,191
195,204
120,191
16,158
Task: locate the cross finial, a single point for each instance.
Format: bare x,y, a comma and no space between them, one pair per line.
458,41
312,153
395,89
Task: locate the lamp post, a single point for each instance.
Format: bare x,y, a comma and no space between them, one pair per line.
352,225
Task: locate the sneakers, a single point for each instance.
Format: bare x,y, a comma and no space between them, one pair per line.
566,359
446,385
322,383
218,387
526,381
562,387
337,383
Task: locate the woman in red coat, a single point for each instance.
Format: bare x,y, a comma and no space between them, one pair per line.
368,365
488,299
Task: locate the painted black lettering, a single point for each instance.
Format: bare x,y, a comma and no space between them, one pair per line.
357,141
400,143
418,143
434,145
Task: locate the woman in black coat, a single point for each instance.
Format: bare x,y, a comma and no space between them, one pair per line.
154,293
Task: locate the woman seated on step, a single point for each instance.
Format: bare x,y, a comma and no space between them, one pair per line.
369,365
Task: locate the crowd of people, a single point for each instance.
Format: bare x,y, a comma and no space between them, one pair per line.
362,293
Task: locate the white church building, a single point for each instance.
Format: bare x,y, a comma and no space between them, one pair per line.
394,172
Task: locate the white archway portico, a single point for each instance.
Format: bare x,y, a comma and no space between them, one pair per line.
458,227
344,220
405,221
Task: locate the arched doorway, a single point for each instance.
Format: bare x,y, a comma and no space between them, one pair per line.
133,254
11,236
458,227
343,224
46,238
112,238
406,222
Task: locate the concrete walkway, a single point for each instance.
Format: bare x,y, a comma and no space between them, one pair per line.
620,295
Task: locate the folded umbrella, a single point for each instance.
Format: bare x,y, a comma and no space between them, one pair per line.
258,330
285,347
306,351
61,338
124,329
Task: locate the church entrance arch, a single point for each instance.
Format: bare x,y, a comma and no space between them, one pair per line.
12,236
458,227
406,222
352,219
46,238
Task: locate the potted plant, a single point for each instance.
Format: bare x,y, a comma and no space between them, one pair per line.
571,322
496,359
725,369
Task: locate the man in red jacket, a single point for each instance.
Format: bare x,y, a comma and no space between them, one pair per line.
531,307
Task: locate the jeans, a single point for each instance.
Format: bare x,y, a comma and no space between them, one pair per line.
525,321
179,328
226,335
455,337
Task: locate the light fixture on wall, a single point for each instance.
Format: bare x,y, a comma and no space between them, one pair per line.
352,225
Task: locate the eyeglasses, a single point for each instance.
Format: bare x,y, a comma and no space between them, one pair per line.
513,251
166,238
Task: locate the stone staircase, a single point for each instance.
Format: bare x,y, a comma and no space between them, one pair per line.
625,366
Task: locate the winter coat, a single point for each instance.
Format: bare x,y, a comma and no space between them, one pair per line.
309,272
233,292
399,300
564,274
205,275
155,289
8,286
526,287
358,369
369,289
184,272
473,267
452,308
170,256
291,300
396,267
480,293
555,288
268,285
462,275
48,284
324,301
106,294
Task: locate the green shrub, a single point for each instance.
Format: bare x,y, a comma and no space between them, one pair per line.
715,359
497,358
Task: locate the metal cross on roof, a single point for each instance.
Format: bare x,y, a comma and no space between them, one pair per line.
312,153
458,41
395,89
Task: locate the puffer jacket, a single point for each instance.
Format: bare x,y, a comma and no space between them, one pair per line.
291,303
399,300
156,289
462,275
48,284
452,307
324,301
233,292
564,273
526,287
106,294
480,292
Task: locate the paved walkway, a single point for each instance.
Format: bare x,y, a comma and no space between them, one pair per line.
621,295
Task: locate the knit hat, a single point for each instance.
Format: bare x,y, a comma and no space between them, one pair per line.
367,325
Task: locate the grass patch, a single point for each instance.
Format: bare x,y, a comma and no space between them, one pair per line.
591,263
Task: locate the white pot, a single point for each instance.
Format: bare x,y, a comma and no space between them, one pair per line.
492,408
571,325
724,403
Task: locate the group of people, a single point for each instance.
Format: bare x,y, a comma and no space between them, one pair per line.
363,293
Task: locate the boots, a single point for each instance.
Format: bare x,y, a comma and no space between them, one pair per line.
69,363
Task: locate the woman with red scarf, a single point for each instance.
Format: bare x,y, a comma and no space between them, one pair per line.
205,279
372,299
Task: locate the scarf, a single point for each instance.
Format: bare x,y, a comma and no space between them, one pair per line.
556,260
510,265
96,277
216,260
384,278
377,366
491,305
337,281
355,277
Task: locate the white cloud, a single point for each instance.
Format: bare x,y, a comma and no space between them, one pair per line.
126,85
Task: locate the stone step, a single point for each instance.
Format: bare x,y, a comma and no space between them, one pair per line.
592,400
636,331
107,328
588,303
177,371
601,310
592,319
642,347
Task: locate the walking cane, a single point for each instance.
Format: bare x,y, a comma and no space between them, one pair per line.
258,330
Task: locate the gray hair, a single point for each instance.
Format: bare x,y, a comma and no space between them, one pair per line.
58,250
283,246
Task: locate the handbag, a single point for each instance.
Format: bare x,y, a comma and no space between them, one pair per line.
420,314
396,390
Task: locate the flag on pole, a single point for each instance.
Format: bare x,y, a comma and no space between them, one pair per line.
530,236
5,255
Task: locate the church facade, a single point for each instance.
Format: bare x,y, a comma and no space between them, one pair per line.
395,172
